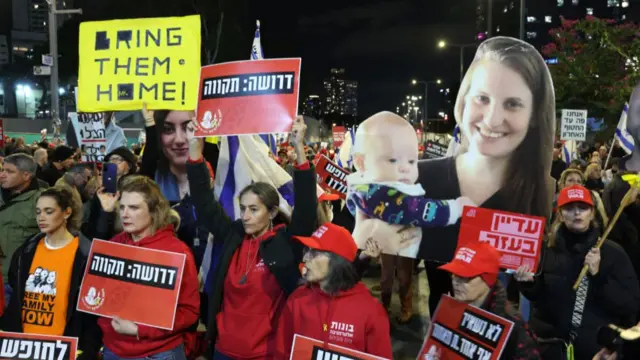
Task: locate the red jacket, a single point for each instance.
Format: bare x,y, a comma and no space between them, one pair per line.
154,340
249,308
352,319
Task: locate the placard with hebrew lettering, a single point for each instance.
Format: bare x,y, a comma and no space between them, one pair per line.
133,283
460,331
37,347
517,237
125,63
330,176
91,135
306,348
338,135
248,97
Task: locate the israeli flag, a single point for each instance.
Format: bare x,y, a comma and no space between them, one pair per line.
622,135
345,156
454,144
569,151
245,159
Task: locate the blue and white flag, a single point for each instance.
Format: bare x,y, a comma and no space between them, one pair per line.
454,144
245,159
345,155
569,151
622,134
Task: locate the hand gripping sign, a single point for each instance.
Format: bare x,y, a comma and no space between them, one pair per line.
305,348
125,63
37,347
460,331
132,283
517,237
248,97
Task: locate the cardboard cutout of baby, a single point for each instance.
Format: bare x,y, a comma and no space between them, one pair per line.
383,194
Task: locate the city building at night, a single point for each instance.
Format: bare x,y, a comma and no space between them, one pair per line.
312,106
341,95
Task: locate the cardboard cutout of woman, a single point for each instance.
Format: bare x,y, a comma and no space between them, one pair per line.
631,163
506,112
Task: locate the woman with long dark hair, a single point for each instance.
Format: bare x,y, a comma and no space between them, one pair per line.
258,266
46,273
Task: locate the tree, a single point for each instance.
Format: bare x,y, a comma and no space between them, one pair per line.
597,65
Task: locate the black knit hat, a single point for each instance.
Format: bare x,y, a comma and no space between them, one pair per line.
126,154
61,153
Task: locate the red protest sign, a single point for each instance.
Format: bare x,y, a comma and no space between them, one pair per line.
461,331
248,97
305,348
518,237
120,279
32,346
330,176
338,135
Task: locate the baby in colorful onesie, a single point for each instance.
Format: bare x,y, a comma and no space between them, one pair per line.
384,185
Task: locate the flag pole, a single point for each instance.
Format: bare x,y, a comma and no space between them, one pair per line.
610,151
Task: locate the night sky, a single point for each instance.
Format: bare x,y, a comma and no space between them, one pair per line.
381,44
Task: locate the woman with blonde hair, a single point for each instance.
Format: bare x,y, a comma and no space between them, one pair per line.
593,175
506,112
572,177
146,221
52,263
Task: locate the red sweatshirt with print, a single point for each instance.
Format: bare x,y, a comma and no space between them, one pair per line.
154,340
354,319
251,300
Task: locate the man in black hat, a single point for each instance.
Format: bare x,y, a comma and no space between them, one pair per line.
62,159
124,159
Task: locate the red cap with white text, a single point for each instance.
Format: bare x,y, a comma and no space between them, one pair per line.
574,193
475,259
332,238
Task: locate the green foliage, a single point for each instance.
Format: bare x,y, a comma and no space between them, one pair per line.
597,67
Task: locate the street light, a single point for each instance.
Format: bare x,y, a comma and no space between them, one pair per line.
443,44
426,92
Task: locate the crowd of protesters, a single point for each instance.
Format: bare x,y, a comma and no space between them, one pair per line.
250,284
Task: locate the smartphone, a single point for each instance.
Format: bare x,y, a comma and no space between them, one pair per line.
110,178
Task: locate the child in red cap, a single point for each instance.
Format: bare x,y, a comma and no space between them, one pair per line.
333,306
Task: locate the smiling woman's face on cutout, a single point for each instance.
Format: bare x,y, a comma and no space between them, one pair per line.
497,110
633,120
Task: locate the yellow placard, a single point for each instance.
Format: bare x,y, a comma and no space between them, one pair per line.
125,63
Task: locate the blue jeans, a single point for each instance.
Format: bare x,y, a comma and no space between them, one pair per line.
220,356
173,354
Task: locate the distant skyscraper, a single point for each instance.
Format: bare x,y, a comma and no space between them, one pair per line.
312,107
341,95
31,23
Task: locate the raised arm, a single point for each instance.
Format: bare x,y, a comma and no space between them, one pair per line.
209,212
303,218
150,157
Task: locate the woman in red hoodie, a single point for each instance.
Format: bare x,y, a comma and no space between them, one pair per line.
145,218
258,264
333,307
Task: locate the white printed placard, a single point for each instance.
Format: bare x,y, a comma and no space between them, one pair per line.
91,135
573,125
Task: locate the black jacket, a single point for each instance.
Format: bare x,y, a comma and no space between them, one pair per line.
79,325
281,253
613,295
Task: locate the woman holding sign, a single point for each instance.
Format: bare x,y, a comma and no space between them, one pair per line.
145,217
474,271
258,266
608,295
46,272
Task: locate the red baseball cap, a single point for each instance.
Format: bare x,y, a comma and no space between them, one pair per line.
475,259
332,238
574,193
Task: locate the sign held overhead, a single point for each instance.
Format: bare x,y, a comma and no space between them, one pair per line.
125,63
573,125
